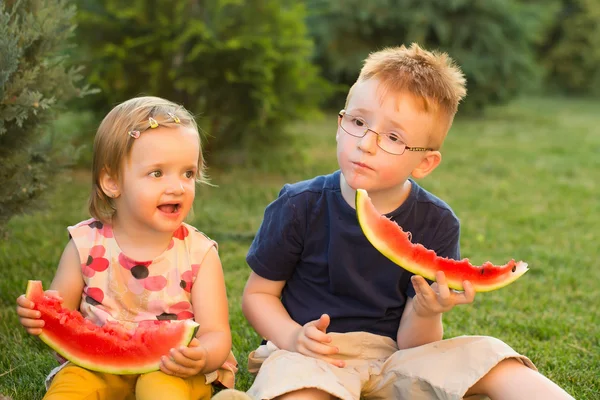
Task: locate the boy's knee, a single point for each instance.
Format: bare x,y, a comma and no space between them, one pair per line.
308,394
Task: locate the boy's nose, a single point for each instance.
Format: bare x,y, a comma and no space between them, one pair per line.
368,143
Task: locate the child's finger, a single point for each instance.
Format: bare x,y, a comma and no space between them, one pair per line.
313,333
31,323
195,351
28,313
181,359
24,302
468,295
422,288
323,322
53,293
320,348
442,287
419,283
170,367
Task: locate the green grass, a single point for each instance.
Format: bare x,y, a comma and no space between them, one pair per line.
523,180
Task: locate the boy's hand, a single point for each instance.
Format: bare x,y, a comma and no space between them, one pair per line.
30,318
438,298
313,341
185,361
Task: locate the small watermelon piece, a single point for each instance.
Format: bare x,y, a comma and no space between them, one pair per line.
389,238
110,348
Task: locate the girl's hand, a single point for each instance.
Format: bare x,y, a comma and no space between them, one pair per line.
30,318
313,341
438,298
185,361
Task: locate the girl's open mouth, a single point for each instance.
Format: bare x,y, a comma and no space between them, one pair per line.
169,208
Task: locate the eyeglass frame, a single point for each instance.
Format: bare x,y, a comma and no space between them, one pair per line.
406,147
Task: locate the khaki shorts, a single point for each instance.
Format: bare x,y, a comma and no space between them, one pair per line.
376,369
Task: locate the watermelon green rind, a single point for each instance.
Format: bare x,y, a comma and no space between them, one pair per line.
110,348
389,238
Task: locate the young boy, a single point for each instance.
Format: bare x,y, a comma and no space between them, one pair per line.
342,321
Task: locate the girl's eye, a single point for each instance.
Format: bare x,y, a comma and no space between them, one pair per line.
156,174
190,174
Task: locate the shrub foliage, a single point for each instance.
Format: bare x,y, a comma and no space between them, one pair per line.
491,40
35,80
242,66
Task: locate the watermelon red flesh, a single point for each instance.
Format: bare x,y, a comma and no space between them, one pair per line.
389,238
110,348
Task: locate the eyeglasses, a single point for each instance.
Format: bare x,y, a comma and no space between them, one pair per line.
388,142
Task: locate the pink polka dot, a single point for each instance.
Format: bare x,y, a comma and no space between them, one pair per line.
99,264
185,315
179,307
97,251
181,233
95,293
87,271
136,286
155,283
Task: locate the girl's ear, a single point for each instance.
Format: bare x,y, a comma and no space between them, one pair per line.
428,164
109,185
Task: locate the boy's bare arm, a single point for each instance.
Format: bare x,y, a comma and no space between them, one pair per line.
262,307
415,330
421,320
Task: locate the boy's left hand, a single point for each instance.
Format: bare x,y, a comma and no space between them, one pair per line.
438,298
185,361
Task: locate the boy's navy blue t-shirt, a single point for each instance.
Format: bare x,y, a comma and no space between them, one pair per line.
311,239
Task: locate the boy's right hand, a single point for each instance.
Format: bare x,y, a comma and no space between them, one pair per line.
30,318
313,341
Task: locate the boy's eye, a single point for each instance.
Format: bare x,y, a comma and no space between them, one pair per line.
392,137
190,174
156,174
358,122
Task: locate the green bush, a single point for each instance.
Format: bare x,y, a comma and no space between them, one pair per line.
35,82
491,40
242,66
571,51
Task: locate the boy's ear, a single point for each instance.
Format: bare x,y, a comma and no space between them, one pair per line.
109,185
427,165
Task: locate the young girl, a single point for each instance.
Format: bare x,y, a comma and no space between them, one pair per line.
137,260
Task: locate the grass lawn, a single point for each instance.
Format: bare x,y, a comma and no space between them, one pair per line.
523,180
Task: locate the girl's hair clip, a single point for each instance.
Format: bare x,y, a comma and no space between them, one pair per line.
134,134
153,123
174,117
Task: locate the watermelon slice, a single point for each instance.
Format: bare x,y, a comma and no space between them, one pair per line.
387,237
110,348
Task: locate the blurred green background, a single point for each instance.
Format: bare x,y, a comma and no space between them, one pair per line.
265,79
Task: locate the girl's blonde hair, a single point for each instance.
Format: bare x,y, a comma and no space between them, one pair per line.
112,144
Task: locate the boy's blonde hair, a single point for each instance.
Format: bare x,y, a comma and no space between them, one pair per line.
112,144
431,77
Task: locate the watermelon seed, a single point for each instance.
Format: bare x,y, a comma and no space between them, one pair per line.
514,268
481,271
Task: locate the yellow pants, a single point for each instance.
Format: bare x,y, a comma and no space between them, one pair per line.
76,383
